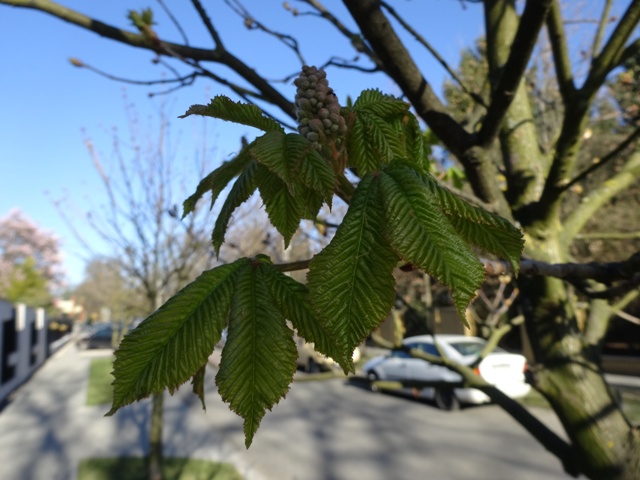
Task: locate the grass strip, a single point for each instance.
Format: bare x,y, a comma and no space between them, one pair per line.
100,391
132,468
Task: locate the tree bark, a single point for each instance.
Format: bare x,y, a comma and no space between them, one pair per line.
568,373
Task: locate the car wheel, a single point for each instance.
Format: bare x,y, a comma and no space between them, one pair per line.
372,377
446,399
312,366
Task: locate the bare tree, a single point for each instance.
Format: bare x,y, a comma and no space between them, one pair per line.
155,251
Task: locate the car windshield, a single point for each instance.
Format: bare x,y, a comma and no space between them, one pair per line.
471,348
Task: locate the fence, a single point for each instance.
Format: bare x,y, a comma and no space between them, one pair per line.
23,344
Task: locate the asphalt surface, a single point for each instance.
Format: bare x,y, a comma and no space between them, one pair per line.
323,430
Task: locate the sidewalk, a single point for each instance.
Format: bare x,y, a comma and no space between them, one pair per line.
47,428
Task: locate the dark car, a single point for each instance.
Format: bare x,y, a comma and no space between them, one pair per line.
99,336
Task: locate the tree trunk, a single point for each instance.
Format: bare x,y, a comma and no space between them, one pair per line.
155,438
569,375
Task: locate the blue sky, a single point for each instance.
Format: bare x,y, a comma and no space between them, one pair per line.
46,103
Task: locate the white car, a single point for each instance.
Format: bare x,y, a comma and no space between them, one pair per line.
499,368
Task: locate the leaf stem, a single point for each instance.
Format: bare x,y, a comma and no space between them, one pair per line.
292,266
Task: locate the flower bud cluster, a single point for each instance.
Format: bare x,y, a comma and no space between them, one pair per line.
317,106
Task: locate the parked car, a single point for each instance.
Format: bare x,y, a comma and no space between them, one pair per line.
98,336
499,368
313,362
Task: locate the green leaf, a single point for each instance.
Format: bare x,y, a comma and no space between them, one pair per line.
376,135
292,298
284,210
475,225
242,189
350,282
317,175
367,145
197,384
217,180
294,159
172,344
226,109
415,144
385,106
312,203
259,357
421,234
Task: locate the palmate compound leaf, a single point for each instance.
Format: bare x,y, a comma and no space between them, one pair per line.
367,144
380,104
296,162
259,357
376,135
242,189
173,344
226,109
292,298
421,234
197,384
417,151
284,209
217,180
478,227
350,282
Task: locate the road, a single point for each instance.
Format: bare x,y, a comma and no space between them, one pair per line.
323,430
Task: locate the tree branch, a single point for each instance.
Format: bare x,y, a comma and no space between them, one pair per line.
632,137
627,317
604,19
623,236
612,52
600,272
109,31
208,24
400,66
620,289
561,59
180,52
552,442
252,24
474,96
531,22
179,81
630,51
547,438
600,196
175,22
358,44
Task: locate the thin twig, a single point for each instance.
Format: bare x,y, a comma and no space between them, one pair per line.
628,317
609,236
184,81
632,137
252,24
208,24
474,96
604,19
175,22
531,21
356,40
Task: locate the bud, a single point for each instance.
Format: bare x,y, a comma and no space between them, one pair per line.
76,62
318,109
